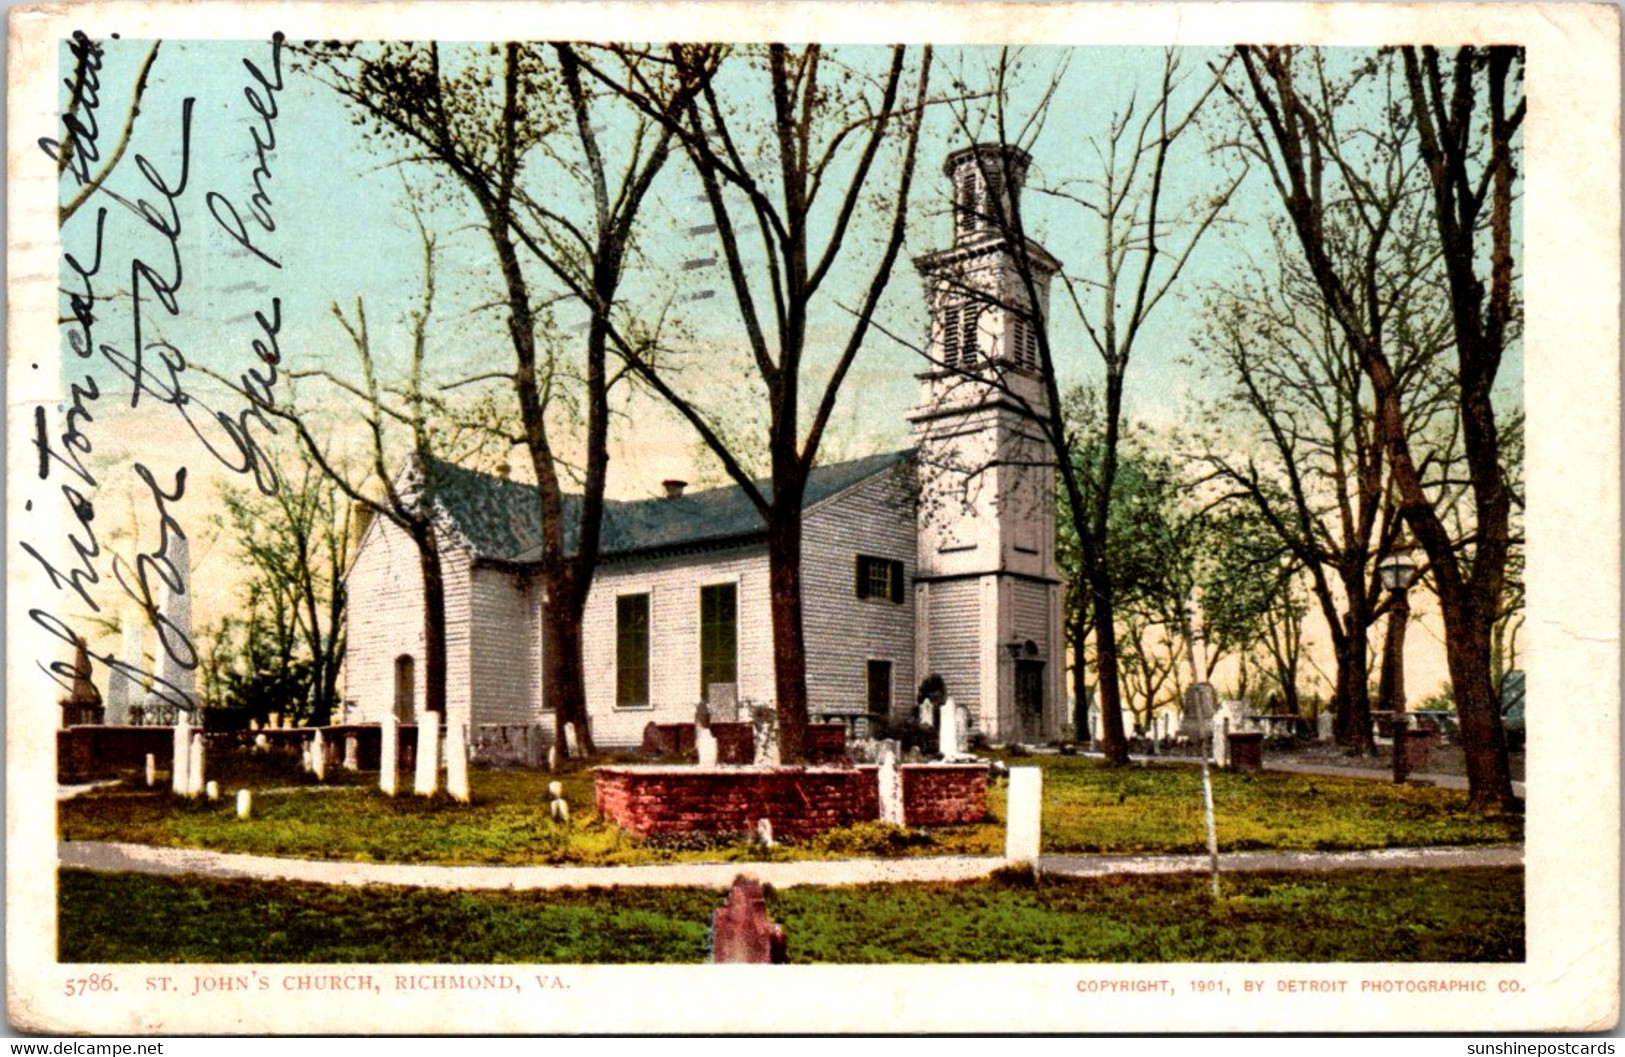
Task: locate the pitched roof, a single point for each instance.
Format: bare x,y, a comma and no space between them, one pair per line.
500,520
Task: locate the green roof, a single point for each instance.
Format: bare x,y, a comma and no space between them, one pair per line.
500,520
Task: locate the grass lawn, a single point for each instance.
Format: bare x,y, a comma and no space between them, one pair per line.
1087,808
1380,915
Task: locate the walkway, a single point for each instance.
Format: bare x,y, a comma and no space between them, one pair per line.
1443,781
107,857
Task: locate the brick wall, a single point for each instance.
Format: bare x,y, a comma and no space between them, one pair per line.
799,802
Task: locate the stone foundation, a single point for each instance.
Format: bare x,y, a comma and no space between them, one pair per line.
799,802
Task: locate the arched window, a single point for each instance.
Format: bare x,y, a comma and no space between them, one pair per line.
405,692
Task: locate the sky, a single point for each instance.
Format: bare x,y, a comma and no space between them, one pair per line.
339,235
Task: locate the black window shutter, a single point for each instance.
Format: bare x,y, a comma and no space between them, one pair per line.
896,581
859,582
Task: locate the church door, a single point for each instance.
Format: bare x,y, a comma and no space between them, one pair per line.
1030,700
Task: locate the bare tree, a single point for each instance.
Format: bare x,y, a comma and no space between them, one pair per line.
491,124
78,154
1459,115
830,122
1145,243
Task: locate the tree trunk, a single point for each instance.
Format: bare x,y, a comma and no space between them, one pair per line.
1113,742
1078,632
1478,712
434,621
1351,707
563,684
789,640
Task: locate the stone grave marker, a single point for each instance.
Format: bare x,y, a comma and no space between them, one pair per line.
194,771
741,930
152,770
890,779
180,755
705,742
426,782
765,736
559,808
948,730
318,756
121,689
245,803
1024,810
457,762
352,753
389,748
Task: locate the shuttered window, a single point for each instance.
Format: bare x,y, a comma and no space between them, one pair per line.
631,651
959,318
879,578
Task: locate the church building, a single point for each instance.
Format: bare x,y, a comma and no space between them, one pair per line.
935,560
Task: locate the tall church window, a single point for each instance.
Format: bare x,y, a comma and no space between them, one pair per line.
405,691
719,636
631,651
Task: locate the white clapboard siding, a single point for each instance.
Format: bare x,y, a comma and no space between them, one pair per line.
844,632
955,648
502,688
385,620
1030,614
673,584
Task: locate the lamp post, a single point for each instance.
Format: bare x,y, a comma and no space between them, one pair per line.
1396,573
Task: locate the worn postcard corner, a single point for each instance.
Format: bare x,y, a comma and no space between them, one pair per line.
989,517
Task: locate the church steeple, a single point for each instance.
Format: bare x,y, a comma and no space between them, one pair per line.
986,576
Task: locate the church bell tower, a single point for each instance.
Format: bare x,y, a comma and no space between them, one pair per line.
988,593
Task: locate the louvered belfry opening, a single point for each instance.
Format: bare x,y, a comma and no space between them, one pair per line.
987,182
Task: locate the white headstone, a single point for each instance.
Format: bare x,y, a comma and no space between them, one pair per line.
262,743
427,779
181,761
212,790
705,744
890,779
245,803
948,731
389,743
764,832
962,729
1323,725
765,736
318,756
352,753
194,773
152,770
1221,739
571,749
457,761
1023,814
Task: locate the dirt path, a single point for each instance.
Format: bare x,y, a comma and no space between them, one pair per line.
107,857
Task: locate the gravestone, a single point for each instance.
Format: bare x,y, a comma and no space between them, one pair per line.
318,756
352,753
426,782
765,736
890,779
741,930
1024,814
559,808
245,803
389,747
722,702
1324,730
457,762
212,790
764,832
194,773
948,731
180,755
152,770
705,742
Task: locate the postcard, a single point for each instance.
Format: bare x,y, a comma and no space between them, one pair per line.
747,518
